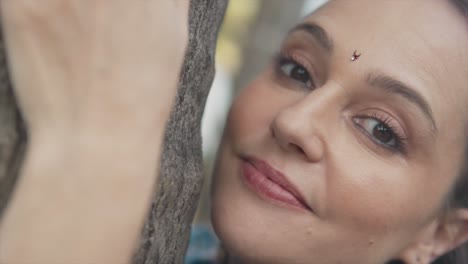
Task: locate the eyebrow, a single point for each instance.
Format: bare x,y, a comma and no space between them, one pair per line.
317,32
397,87
379,80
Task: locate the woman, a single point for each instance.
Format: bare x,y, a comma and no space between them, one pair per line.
350,146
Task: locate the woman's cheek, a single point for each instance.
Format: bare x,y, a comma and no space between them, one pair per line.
368,194
255,108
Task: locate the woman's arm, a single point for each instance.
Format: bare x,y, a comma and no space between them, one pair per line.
95,81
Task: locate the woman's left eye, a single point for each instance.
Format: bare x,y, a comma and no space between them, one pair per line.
379,131
296,72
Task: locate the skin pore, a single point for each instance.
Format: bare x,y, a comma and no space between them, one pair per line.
374,145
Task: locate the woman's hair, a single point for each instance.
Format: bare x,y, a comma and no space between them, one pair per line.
459,196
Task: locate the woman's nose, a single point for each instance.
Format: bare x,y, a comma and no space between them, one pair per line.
295,131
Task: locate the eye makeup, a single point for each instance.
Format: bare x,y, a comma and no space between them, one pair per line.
301,64
300,61
295,68
382,130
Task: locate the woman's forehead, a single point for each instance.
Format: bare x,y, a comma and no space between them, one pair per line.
425,42
437,25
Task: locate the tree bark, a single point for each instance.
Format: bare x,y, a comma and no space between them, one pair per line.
12,134
166,232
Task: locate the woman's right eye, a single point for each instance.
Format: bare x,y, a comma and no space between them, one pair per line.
296,72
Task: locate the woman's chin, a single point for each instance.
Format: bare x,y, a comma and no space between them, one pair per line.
255,230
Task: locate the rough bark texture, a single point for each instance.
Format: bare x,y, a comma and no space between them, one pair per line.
166,233
12,134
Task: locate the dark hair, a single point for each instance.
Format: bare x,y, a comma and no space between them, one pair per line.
459,197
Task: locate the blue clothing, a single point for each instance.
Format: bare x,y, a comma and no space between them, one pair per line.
203,246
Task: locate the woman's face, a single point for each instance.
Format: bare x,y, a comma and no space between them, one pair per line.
329,160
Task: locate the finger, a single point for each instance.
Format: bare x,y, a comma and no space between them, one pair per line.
184,7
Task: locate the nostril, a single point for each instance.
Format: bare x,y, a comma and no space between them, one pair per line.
272,131
293,136
297,148
286,142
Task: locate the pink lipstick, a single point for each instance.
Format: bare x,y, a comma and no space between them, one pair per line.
271,185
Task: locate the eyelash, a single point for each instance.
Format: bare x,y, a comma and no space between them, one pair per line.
281,59
400,138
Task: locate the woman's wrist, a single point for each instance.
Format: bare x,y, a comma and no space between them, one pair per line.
82,191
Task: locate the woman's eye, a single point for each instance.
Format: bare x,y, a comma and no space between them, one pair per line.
379,131
297,72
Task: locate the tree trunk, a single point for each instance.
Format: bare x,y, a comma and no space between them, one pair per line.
165,235
12,134
166,232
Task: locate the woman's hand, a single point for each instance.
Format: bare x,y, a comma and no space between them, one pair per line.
95,81
103,64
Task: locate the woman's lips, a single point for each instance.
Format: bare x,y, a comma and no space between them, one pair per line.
271,184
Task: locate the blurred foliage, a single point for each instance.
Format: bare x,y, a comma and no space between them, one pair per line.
239,17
